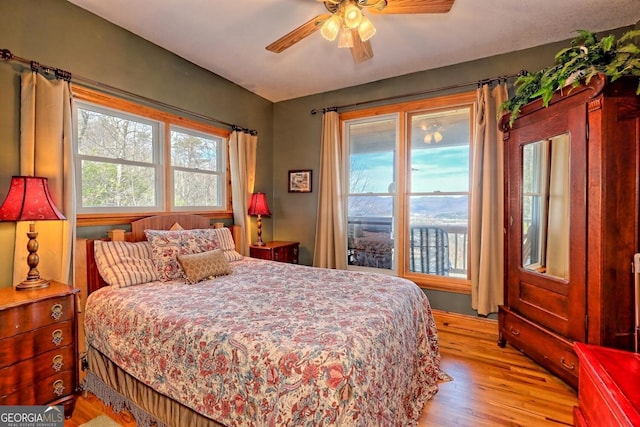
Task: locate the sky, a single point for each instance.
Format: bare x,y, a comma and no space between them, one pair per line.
444,169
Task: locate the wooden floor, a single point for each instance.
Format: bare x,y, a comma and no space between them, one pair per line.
491,386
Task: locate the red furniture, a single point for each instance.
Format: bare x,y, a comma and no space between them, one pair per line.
609,387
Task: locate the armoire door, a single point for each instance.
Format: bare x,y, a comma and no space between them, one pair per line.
546,218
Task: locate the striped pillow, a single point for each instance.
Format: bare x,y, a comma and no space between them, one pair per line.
123,264
226,243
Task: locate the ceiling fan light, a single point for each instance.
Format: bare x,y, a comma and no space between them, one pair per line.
352,15
366,30
330,28
428,138
346,38
437,136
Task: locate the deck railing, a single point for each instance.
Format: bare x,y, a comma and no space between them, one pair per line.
433,249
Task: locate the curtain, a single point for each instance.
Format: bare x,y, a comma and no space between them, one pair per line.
46,150
330,247
243,147
487,212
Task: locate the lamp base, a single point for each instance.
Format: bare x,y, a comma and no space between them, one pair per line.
32,284
259,243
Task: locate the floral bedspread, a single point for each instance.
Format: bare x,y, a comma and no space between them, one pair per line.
277,344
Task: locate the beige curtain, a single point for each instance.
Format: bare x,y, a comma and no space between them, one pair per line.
46,150
487,212
330,248
243,147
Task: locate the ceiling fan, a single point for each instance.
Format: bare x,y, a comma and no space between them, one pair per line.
354,29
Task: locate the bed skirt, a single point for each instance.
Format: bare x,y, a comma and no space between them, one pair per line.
119,390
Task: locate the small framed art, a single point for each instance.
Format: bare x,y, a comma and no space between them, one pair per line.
300,181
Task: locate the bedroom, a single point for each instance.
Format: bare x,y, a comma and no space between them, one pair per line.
58,33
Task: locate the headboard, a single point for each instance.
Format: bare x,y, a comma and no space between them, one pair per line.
160,222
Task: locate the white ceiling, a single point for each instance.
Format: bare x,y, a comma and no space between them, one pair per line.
229,37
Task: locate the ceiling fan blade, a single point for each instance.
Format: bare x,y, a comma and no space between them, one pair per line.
361,51
298,34
414,6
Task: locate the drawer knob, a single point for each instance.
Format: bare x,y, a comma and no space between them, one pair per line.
58,387
566,365
57,337
514,331
57,363
56,311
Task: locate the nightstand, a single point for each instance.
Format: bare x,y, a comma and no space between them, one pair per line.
276,251
38,346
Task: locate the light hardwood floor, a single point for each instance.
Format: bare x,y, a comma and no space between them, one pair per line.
491,386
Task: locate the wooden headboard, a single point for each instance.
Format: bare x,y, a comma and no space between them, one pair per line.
161,222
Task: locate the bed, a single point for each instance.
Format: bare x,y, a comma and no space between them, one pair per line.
260,344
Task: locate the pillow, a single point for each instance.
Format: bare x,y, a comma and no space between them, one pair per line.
176,226
204,265
226,243
123,264
166,245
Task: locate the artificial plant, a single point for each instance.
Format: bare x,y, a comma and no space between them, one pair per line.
587,56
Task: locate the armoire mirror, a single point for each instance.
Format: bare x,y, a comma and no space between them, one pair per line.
545,206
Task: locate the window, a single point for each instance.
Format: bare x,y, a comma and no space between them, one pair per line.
134,159
407,183
197,165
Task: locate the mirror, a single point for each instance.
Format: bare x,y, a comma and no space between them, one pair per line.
545,206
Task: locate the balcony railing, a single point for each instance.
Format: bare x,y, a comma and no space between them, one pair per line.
433,249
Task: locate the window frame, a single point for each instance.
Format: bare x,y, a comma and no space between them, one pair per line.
404,111
167,121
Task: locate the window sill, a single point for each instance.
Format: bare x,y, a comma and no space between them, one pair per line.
454,286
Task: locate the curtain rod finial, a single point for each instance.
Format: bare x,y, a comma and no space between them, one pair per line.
6,54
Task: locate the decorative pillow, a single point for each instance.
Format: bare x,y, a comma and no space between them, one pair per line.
226,243
176,226
123,264
201,266
166,245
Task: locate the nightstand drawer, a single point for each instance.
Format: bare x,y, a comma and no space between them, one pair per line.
26,317
33,371
48,390
276,251
29,344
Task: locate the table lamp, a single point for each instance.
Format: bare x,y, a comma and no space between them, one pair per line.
259,207
29,199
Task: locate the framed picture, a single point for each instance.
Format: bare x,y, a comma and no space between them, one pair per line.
300,181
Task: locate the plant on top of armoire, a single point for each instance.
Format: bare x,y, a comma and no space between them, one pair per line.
587,56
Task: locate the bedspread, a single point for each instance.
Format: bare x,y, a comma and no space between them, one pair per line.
276,344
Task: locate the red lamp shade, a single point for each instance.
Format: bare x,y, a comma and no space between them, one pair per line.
258,205
29,200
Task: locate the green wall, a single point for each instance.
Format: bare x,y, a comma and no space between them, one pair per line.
59,34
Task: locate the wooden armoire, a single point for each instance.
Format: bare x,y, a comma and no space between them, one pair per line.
572,194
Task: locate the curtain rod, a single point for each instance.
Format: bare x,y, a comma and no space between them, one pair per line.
67,76
424,92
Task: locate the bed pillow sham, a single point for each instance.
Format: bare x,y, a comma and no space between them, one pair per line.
166,245
226,244
204,265
123,264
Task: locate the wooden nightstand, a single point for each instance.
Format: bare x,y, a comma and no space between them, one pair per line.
38,346
276,251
